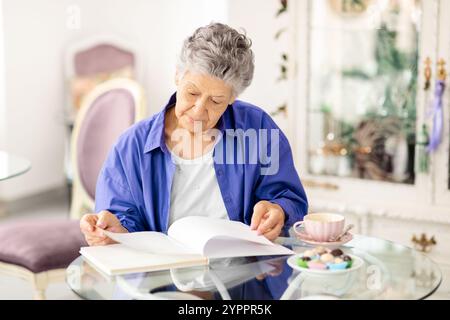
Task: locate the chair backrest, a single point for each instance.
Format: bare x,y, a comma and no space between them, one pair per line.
107,111
102,58
95,60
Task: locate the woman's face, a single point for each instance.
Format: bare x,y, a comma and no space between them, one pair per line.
201,101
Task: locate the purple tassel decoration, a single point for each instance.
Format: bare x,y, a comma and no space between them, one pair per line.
438,117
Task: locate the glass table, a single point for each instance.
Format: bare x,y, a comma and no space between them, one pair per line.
12,166
389,271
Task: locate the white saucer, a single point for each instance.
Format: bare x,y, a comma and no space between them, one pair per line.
307,239
357,263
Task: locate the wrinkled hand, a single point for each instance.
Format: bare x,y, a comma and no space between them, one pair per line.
92,226
267,219
276,271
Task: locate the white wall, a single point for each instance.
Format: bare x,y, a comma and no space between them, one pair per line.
33,85
258,19
2,83
35,38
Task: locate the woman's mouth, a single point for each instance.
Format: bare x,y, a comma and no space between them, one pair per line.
192,121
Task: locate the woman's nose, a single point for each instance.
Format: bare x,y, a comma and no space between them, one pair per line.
199,107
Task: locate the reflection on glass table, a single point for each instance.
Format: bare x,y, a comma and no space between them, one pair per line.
12,166
389,271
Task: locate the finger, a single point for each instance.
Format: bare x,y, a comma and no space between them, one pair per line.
269,223
116,229
91,235
102,243
97,241
100,240
105,219
274,233
258,213
94,239
97,232
260,276
88,222
106,242
275,272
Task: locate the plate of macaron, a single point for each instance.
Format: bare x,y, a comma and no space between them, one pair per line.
321,260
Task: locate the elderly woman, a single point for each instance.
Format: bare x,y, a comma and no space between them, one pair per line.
179,162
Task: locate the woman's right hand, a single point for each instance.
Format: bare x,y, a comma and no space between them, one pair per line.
92,226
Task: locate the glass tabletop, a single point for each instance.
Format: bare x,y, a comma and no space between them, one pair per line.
388,271
12,166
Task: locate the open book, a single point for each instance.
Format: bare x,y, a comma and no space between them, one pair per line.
190,241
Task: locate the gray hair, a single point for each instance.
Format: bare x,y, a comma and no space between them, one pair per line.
220,51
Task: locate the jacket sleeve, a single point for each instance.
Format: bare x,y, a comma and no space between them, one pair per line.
114,194
279,181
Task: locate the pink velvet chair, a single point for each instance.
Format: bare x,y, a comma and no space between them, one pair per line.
39,250
107,112
88,63
94,60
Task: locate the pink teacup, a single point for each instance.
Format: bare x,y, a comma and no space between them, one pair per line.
321,227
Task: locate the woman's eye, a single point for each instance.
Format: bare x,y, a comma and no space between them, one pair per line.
193,94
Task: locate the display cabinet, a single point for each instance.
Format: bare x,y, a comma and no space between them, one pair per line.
369,120
364,85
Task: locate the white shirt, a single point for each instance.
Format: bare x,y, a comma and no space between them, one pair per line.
195,190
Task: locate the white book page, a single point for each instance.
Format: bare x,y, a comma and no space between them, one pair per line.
196,231
120,259
223,247
151,242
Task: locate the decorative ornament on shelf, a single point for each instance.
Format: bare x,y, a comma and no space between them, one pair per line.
283,67
375,153
437,111
428,74
321,185
350,8
283,8
423,244
422,161
282,109
334,154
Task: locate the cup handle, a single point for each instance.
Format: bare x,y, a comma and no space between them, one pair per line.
297,224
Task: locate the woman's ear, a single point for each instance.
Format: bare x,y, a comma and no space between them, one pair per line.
177,77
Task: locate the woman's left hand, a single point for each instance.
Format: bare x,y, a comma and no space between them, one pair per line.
267,219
